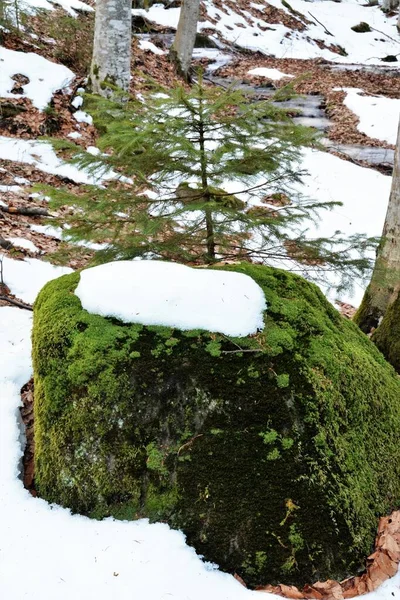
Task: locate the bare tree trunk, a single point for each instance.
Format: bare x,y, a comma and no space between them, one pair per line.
389,5
385,281
182,48
111,60
398,22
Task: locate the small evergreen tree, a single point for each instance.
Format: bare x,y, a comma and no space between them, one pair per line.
208,175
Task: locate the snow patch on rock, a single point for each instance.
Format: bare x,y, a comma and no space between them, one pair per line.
173,295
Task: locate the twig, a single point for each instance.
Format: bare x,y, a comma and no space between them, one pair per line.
322,25
383,33
240,351
190,442
16,303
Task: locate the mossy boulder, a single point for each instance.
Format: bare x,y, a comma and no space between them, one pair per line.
275,453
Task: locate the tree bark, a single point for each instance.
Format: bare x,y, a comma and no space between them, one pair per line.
387,336
111,61
182,48
25,210
388,5
398,22
385,282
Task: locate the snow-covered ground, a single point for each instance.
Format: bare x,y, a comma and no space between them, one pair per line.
273,74
70,6
325,21
378,115
41,155
45,77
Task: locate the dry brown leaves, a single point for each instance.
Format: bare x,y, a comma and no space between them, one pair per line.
317,77
28,420
381,565
345,309
147,66
17,225
269,13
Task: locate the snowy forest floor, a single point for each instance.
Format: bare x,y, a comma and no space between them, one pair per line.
352,95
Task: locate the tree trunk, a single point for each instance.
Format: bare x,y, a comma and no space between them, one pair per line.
398,22
182,48
389,5
385,281
387,336
111,60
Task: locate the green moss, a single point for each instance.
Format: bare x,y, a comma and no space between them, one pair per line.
155,459
387,336
275,463
213,348
269,437
367,316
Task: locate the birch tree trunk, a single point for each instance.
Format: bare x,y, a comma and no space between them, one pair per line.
398,22
111,61
385,282
182,48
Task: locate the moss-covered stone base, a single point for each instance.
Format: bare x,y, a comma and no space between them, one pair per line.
387,336
276,463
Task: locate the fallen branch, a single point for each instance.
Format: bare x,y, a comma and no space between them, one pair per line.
26,211
5,244
388,36
190,442
322,25
16,303
241,350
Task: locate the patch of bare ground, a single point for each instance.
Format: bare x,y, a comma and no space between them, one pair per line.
149,68
318,77
268,13
20,209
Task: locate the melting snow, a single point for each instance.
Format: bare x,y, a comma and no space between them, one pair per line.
83,117
71,6
273,74
45,77
378,115
25,278
42,156
325,23
146,45
23,243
